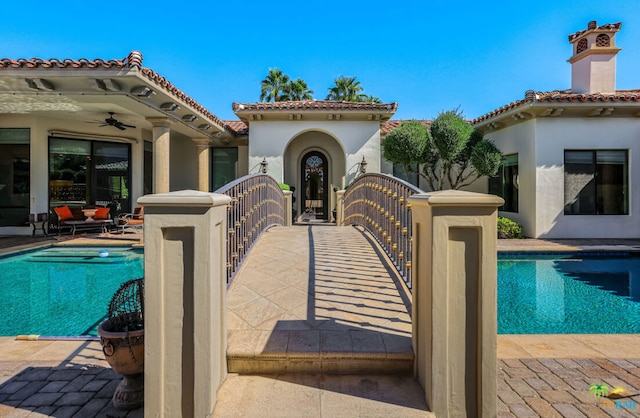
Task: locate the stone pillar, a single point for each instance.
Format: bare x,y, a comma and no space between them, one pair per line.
340,207
161,151
454,266
203,148
185,302
288,207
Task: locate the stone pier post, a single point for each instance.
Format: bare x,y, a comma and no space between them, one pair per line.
185,291
340,207
454,267
288,207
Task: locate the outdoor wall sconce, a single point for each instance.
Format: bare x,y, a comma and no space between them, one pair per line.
142,91
263,166
363,166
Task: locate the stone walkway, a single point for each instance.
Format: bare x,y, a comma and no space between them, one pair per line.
57,379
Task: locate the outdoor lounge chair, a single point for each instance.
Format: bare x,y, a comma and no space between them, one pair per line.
131,220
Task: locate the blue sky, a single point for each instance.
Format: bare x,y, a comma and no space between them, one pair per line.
428,56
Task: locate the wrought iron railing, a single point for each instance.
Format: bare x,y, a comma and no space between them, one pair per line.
257,202
379,203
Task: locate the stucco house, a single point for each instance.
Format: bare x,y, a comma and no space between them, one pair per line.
105,132
569,156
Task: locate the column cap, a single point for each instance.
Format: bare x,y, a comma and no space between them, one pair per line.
185,198
456,198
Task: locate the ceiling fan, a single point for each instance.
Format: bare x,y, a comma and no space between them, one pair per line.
111,121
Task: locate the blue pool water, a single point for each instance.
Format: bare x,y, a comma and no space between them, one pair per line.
62,291
568,294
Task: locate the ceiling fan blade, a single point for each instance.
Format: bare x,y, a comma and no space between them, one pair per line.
119,126
127,126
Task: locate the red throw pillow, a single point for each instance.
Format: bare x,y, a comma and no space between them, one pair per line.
101,213
63,213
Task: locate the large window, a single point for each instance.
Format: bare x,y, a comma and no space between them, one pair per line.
224,164
505,183
89,173
596,182
15,177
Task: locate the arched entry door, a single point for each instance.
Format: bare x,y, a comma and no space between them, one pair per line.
315,193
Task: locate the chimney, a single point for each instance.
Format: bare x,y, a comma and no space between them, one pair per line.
593,64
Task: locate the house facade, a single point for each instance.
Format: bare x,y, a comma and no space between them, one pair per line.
105,132
570,155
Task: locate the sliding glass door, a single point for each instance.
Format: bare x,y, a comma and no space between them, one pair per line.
83,173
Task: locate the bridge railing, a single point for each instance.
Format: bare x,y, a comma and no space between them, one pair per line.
257,203
379,202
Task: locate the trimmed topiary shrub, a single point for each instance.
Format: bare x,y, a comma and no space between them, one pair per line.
284,186
508,229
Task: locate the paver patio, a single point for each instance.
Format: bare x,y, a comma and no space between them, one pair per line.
543,376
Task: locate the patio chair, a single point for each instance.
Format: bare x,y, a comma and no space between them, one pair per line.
131,220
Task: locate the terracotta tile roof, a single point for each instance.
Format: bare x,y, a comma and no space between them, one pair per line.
319,105
133,60
390,125
593,26
237,126
563,96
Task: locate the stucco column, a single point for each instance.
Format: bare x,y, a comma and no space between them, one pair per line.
288,207
203,150
185,302
454,266
161,151
340,207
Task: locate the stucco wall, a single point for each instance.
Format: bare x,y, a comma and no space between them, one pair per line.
270,139
183,163
520,139
556,135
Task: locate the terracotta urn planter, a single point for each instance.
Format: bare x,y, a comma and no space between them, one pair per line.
122,339
124,351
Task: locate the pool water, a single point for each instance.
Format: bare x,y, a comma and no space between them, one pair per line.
62,291
568,294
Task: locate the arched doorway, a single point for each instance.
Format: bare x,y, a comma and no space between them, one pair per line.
314,172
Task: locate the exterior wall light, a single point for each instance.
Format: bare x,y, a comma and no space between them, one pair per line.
263,166
363,166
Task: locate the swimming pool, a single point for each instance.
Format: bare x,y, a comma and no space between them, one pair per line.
62,291
568,293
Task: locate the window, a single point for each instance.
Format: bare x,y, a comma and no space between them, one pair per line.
89,173
505,183
15,177
224,164
596,182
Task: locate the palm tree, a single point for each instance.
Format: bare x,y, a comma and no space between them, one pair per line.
297,90
273,86
369,99
346,89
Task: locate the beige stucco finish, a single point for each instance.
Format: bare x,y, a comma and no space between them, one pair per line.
454,301
185,298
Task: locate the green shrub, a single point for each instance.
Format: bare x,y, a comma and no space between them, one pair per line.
284,186
508,229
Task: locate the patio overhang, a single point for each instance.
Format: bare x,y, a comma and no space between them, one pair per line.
86,90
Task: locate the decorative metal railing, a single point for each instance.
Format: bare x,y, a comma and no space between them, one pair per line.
379,203
257,202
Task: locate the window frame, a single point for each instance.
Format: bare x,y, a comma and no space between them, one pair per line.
597,194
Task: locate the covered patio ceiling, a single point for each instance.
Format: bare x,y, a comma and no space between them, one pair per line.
87,90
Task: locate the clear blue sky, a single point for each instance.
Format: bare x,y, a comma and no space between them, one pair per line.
428,56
